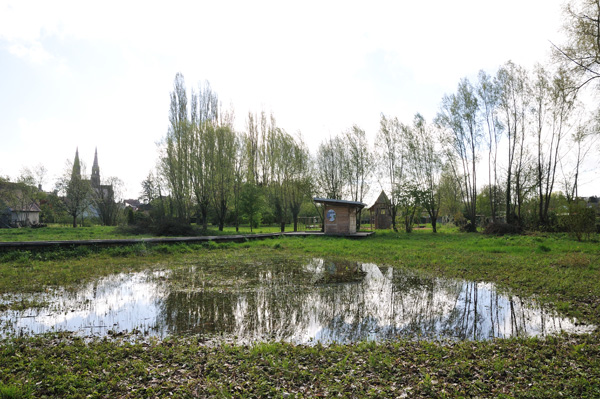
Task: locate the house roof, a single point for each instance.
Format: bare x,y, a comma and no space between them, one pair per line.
357,204
33,207
382,199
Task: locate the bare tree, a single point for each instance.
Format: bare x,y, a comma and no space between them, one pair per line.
389,141
581,52
554,105
425,165
489,99
330,168
458,117
359,161
513,84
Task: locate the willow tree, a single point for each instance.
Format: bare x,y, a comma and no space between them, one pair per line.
459,119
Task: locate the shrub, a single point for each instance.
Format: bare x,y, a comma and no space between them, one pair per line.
173,227
501,228
580,222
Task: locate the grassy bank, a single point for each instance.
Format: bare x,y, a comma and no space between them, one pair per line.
555,268
64,233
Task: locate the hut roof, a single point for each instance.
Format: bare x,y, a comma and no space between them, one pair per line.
357,204
382,199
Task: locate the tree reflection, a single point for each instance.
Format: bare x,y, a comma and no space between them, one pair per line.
349,301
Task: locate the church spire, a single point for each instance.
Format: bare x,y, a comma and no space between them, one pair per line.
95,179
76,165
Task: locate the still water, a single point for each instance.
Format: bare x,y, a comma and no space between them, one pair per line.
301,302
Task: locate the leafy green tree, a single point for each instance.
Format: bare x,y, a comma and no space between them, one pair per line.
252,202
76,190
450,195
204,118
222,142
410,200
299,184
175,159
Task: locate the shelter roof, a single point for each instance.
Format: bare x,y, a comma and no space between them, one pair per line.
357,204
382,199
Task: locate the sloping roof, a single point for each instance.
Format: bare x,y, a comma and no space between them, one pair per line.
340,202
382,199
33,207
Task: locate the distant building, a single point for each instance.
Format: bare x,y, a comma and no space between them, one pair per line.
100,192
380,212
17,208
134,204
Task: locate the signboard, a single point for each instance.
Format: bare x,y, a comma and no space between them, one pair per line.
331,215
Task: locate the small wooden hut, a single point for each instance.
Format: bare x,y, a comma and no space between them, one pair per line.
380,212
339,216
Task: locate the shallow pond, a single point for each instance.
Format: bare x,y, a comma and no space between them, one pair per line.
300,302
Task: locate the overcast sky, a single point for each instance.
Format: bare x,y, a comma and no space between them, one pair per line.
87,75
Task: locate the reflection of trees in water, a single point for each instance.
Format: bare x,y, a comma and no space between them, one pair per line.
297,304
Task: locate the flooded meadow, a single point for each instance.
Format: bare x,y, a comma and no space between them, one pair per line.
279,299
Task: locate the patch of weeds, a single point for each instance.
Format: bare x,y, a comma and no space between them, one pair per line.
210,245
13,392
543,248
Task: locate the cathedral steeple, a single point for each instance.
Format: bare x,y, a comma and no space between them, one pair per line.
95,178
76,165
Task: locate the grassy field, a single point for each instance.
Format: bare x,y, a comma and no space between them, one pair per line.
62,233
558,270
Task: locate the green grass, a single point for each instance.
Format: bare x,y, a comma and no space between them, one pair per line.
555,268
62,233
62,366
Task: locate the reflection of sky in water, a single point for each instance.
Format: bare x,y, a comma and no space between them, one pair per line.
318,301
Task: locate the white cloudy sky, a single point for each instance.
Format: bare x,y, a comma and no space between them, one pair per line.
98,74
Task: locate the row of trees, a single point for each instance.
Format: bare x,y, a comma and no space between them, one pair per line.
521,134
207,165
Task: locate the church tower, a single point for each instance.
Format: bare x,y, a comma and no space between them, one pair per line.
76,165
95,178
